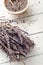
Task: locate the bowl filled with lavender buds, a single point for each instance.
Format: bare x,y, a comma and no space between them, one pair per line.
16,6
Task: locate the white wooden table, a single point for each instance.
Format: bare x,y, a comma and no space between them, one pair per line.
33,25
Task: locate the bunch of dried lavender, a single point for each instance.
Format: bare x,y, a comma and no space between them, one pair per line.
14,41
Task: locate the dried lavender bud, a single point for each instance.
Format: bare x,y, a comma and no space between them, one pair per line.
15,5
